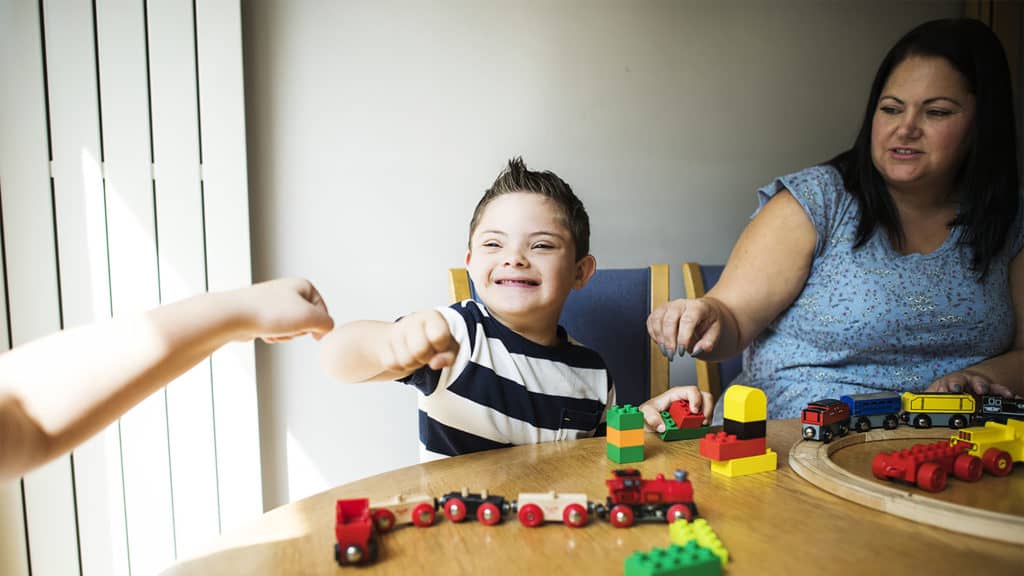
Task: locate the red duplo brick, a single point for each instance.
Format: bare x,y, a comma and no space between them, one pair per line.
681,415
722,446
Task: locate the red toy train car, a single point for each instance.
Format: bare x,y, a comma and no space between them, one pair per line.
632,498
356,532
825,419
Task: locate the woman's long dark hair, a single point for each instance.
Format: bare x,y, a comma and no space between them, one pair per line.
987,181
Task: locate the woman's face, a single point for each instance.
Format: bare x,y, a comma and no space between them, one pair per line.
922,126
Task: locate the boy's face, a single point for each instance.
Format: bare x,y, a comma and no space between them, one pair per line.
522,259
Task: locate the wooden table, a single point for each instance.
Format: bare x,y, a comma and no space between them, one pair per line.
772,523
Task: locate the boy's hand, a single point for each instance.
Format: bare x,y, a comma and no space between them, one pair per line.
699,402
420,339
693,326
283,309
970,382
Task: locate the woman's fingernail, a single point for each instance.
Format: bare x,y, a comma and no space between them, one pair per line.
697,352
957,388
664,351
680,351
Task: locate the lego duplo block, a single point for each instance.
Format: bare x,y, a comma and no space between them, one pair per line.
745,430
681,415
626,438
627,417
689,560
722,446
744,466
745,404
681,532
625,455
672,432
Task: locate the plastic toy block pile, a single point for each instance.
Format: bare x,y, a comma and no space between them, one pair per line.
625,434
695,551
681,424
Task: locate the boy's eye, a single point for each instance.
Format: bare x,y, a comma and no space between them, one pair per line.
543,246
490,244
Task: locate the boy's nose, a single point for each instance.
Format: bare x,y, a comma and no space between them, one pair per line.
515,258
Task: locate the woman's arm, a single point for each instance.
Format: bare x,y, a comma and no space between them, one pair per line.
58,391
1003,374
765,273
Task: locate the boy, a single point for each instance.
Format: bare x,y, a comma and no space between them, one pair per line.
497,371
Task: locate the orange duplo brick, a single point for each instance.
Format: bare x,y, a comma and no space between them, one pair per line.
625,438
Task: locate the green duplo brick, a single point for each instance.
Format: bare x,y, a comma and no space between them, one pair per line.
626,417
689,560
625,455
673,433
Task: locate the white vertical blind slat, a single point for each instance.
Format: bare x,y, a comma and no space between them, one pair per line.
124,97
222,115
82,245
31,265
179,209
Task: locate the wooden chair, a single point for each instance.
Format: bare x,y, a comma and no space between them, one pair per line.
712,377
609,315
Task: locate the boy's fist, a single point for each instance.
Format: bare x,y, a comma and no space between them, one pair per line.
421,339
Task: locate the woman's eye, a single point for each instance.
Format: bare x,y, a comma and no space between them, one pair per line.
890,110
939,112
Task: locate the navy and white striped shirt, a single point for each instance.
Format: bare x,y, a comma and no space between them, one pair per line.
504,389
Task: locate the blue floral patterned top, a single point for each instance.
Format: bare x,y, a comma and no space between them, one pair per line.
873,319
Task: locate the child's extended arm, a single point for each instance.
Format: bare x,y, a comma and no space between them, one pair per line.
57,391
368,350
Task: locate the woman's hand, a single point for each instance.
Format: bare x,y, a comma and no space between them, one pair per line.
693,326
970,382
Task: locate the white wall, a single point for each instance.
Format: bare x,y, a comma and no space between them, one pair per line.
373,127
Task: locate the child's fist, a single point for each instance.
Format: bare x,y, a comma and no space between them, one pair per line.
699,402
421,339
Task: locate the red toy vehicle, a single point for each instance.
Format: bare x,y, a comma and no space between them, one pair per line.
356,533
825,419
631,498
928,465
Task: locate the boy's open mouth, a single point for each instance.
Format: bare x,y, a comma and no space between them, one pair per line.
517,282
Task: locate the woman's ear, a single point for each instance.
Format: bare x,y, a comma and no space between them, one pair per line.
585,268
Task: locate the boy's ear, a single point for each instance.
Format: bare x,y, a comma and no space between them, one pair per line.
469,253
585,269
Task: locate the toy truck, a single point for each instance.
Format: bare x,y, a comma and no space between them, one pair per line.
356,533
876,410
419,510
631,498
927,465
939,408
537,508
824,419
998,445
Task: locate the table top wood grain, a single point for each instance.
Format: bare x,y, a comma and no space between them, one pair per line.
772,523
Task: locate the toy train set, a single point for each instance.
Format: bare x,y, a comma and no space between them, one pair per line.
631,498
825,419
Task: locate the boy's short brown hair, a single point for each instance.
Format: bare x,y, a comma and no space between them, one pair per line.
515,177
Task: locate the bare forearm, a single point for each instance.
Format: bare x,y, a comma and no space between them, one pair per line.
352,352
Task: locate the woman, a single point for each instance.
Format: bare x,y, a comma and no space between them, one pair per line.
895,266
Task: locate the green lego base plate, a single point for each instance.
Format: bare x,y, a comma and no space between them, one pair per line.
672,433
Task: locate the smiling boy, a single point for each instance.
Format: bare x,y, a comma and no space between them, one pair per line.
499,370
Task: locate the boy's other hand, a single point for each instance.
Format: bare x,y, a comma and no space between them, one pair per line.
421,339
692,326
699,402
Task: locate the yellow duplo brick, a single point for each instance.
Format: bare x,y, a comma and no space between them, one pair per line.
681,532
745,404
744,466
625,438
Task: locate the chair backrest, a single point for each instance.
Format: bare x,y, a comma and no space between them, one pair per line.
712,377
609,315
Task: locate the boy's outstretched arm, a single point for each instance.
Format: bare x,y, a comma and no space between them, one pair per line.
58,391
368,350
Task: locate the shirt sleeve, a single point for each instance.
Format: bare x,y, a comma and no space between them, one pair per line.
819,191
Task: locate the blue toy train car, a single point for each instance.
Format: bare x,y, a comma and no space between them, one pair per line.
869,411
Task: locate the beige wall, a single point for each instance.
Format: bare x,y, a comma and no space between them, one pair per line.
374,126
